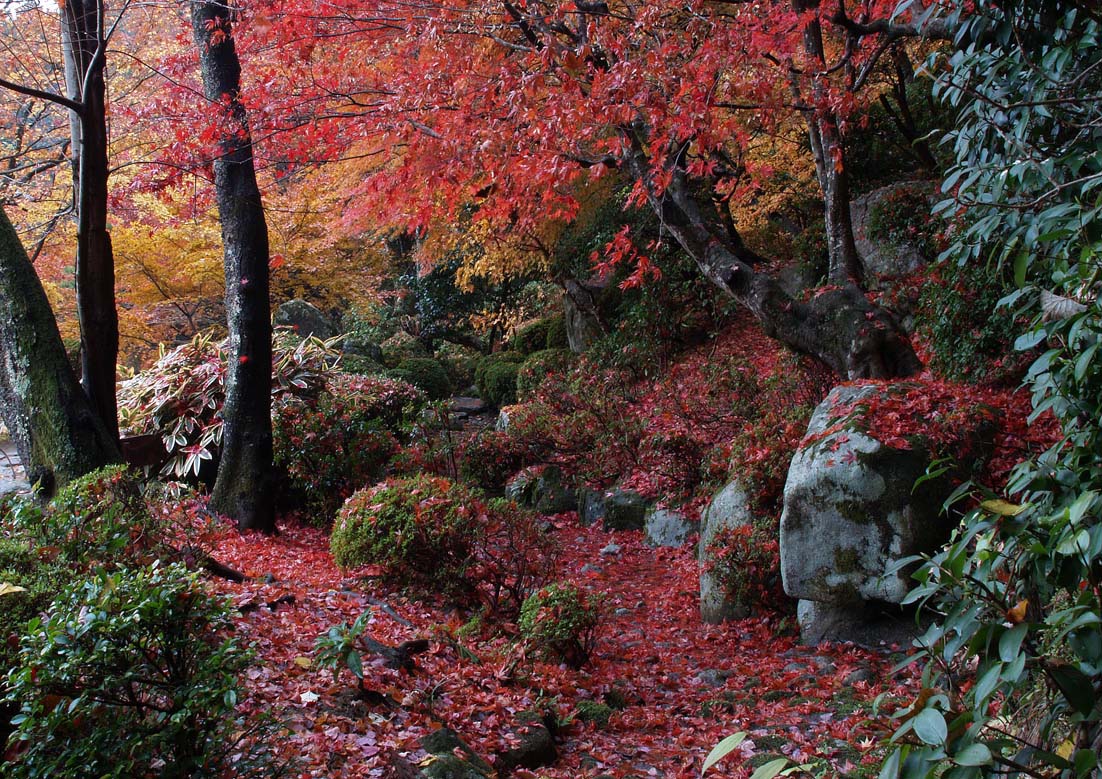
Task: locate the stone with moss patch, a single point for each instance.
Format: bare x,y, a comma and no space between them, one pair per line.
851,509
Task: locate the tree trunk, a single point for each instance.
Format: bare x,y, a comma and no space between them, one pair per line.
840,327
83,34
244,488
58,434
830,162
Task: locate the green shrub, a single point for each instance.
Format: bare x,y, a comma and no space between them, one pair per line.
490,361
500,384
420,531
426,374
537,368
401,346
532,337
126,675
967,335
489,459
41,579
556,333
99,519
438,536
560,622
329,449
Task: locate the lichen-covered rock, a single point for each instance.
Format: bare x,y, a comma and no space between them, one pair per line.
729,508
850,507
624,510
305,319
664,527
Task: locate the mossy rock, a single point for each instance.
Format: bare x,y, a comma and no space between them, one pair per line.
444,762
625,510
450,767
593,711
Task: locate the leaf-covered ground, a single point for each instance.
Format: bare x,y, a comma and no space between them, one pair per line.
685,685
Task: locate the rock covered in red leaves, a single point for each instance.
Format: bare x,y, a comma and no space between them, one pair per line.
851,509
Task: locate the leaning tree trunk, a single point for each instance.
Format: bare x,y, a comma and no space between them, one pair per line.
245,485
58,434
84,53
830,162
840,327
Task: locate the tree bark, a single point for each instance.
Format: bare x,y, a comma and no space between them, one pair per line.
84,51
840,326
58,434
830,162
244,488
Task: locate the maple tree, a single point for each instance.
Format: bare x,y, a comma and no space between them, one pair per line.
245,487
540,95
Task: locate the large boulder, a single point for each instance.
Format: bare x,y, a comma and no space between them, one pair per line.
850,507
883,259
624,510
305,319
542,489
591,506
728,509
664,527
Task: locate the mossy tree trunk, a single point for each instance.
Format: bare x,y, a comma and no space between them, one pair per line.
57,432
245,485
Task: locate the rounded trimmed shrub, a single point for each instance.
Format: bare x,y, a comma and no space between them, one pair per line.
531,337
556,333
560,623
420,530
500,384
426,374
489,361
100,518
